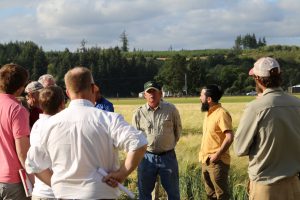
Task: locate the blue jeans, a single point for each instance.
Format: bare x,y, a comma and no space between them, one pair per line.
166,167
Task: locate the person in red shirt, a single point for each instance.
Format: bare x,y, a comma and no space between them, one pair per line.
14,131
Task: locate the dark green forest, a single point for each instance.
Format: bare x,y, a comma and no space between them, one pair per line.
122,74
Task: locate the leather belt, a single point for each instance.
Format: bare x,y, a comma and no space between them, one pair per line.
160,153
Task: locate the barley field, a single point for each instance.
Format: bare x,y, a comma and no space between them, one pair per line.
187,149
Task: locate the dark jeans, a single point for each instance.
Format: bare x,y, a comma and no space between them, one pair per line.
12,191
166,167
215,176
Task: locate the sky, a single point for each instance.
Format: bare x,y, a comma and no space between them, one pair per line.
149,24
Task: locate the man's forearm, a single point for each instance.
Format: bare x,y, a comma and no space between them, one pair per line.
226,143
45,176
22,146
133,159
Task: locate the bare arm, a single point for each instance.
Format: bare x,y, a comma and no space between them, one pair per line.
22,146
224,147
132,160
45,176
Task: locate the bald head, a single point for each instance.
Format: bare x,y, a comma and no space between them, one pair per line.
78,80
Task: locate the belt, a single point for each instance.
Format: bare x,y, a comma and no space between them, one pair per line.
160,153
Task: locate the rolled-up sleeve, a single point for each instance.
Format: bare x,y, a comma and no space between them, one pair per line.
37,159
125,136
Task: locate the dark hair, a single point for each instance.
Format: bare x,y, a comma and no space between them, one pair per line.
12,78
50,99
274,80
78,79
213,91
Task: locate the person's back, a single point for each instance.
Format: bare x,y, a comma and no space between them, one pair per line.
10,108
278,138
79,140
88,144
51,101
269,133
14,131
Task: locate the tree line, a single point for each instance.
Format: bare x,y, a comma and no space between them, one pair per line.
121,74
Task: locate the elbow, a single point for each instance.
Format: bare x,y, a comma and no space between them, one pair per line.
239,151
144,148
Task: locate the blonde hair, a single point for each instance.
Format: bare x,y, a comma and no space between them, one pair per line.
78,79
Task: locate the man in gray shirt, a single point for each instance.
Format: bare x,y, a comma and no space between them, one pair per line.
269,133
161,122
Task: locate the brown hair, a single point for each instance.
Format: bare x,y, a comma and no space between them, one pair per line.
78,79
50,99
274,80
12,78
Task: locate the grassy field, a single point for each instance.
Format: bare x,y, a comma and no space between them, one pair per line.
188,147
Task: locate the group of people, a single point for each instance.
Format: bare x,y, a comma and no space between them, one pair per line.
68,146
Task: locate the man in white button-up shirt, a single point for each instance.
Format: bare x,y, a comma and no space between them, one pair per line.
81,139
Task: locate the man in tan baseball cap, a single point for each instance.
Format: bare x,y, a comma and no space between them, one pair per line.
32,96
268,126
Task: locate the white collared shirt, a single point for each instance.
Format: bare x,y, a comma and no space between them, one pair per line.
75,143
40,189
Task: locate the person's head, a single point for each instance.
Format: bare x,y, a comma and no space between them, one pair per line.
32,93
80,84
266,73
13,79
210,95
47,80
52,100
152,93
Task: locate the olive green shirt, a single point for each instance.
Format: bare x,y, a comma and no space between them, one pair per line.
161,126
269,133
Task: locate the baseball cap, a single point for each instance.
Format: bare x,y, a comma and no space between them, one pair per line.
152,85
33,86
263,66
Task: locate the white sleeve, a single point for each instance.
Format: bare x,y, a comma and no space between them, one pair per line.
37,159
125,136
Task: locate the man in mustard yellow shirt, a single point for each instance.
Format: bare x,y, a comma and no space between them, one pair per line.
216,140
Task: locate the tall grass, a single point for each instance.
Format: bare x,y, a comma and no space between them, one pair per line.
187,149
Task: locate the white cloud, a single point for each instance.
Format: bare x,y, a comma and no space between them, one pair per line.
150,25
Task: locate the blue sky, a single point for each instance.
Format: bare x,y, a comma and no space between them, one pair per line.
150,24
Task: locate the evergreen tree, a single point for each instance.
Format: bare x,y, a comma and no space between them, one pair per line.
124,40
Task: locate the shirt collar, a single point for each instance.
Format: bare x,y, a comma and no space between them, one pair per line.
44,116
270,90
213,108
81,102
158,107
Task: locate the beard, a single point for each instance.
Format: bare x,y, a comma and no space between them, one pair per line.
205,106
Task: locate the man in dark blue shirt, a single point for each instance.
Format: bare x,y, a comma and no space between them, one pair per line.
101,102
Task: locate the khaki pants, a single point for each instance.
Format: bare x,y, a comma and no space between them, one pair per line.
215,176
285,189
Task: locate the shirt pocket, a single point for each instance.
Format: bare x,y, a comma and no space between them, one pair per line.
146,126
167,123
